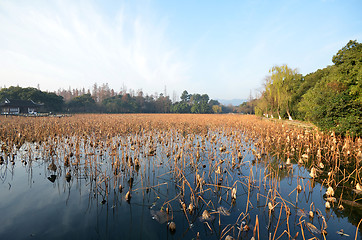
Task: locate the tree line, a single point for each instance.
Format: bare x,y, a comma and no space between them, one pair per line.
51,101
330,97
102,99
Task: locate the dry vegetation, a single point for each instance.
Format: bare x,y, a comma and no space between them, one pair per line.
201,154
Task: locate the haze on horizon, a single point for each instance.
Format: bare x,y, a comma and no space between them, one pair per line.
224,49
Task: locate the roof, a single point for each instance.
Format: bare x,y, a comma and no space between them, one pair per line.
18,103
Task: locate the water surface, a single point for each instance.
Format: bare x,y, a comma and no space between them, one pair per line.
37,202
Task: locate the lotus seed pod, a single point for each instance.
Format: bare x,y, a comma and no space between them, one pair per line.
330,191
172,227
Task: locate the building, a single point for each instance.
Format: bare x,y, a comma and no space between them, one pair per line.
16,107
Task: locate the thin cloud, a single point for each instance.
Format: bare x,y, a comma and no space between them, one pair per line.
220,49
67,43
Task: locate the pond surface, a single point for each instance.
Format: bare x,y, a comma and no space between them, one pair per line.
69,188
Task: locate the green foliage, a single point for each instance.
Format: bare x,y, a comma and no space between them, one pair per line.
348,54
121,104
199,103
335,103
181,107
185,96
195,103
249,107
330,97
84,103
280,91
163,104
202,107
216,108
51,101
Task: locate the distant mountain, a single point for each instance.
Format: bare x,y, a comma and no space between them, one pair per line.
234,102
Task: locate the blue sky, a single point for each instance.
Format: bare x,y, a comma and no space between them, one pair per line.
222,48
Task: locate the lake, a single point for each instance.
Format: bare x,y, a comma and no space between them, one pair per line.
209,184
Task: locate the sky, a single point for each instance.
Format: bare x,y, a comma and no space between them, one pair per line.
222,48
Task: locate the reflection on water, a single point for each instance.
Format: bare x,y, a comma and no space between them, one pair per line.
133,187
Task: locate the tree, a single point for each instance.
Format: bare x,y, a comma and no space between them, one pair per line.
199,103
185,96
181,107
335,101
213,102
163,104
51,101
248,107
216,108
284,83
279,90
348,54
84,103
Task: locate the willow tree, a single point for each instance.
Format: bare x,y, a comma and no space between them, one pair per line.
265,103
279,89
285,81
270,96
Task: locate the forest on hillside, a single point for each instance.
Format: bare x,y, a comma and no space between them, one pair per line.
330,97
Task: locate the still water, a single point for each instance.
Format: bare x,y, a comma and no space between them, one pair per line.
83,199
